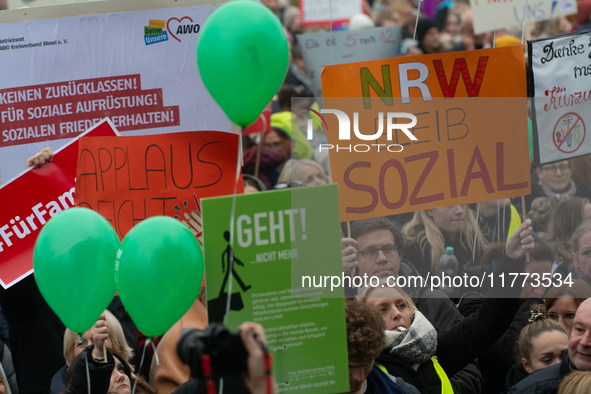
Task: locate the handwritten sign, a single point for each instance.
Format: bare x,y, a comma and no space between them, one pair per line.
318,12
31,199
560,76
129,179
121,65
471,136
323,49
509,14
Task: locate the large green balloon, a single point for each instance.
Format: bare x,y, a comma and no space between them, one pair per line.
242,55
74,262
159,273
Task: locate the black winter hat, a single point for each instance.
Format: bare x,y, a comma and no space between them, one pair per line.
423,26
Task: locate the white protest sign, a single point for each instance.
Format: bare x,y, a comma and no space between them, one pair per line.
42,3
327,49
60,76
509,14
560,73
318,12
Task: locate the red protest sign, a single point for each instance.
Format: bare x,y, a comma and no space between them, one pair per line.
32,198
263,122
129,179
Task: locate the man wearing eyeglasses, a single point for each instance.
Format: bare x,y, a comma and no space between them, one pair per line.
578,358
555,178
374,249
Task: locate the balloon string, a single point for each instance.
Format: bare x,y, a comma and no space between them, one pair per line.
156,354
141,364
414,34
495,31
523,25
231,255
87,374
475,233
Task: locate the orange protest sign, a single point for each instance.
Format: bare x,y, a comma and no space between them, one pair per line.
129,179
468,142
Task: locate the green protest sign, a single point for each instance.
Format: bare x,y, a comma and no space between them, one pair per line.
270,233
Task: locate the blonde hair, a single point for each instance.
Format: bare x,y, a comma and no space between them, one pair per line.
116,337
292,170
577,382
365,293
423,231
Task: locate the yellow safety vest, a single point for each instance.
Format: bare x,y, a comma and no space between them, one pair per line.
515,221
445,383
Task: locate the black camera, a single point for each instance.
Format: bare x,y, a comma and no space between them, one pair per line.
225,349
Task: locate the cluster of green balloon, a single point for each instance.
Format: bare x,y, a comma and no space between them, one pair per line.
242,54
74,260
158,273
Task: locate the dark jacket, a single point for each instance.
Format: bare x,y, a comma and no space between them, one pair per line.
544,381
100,373
496,362
515,375
466,340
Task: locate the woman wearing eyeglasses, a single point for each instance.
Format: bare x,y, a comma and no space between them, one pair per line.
561,303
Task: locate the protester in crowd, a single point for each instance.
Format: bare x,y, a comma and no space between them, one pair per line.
580,265
551,179
7,374
73,346
273,5
271,157
550,27
297,100
412,340
105,373
407,17
45,156
498,219
576,383
428,37
306,171
582,21
541,212
498,359
542,343
561,303
452,31
576,359
292,137
365,339
297,73
472,41
430,232
567,216
373,250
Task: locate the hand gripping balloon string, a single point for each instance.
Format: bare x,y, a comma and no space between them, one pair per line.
139,371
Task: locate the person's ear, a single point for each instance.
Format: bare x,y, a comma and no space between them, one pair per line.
539,172
429,212
526,365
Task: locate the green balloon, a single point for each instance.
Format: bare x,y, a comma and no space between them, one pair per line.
74,261
242,54
159,273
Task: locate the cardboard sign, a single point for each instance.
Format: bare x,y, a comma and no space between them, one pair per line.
469,147
31,199
131,66
129,179
338,47
277,237
509,14
318,12
559,75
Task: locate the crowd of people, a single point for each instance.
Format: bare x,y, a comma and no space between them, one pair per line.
530,337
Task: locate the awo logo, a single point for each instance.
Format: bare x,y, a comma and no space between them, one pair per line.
159,30
345,130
